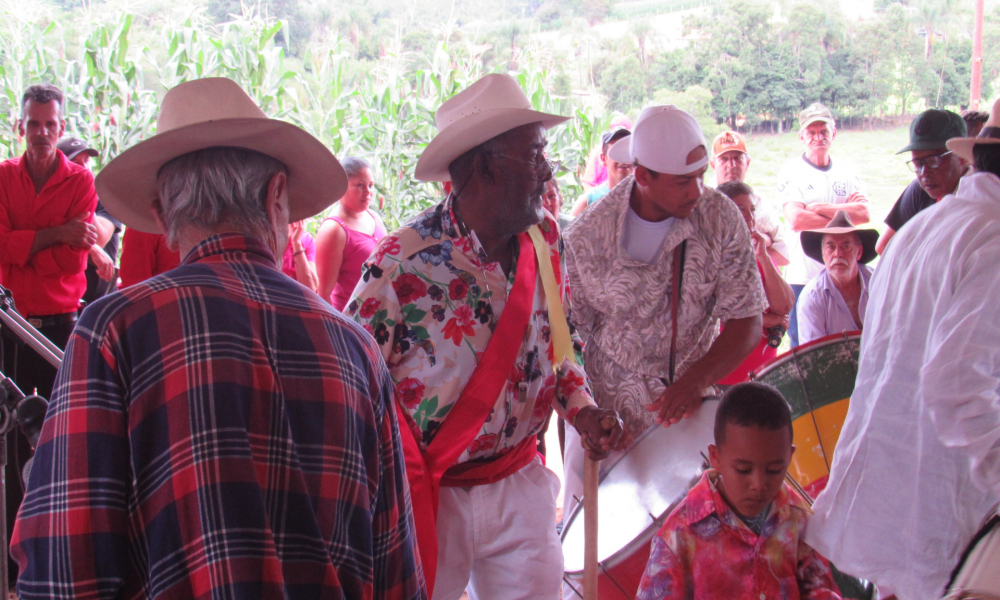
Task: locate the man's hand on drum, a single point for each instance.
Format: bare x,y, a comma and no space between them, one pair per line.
678,401
601,431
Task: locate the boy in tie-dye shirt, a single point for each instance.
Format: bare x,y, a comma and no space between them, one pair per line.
738,533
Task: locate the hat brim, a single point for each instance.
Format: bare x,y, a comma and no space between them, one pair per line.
88,151
826,120
812,242
467,133
127,186
963,146
925,145
621,151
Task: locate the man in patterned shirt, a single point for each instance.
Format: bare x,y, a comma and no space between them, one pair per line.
218,431
651,355
466,302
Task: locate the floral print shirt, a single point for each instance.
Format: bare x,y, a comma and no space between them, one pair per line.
431,301
705,551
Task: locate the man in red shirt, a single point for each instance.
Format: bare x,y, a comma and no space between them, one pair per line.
46,230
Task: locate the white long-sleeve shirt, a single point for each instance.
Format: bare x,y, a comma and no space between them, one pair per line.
918,463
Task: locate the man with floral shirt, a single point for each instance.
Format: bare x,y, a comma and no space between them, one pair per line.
466,302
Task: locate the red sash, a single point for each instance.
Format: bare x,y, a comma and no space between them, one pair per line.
463,423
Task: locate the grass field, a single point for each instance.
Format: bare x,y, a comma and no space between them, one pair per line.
872,153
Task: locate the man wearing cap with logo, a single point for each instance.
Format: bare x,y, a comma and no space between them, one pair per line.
836,299
938,169
730,161
917,467
655,268
616,172
466,302
219,431
101,257
811,189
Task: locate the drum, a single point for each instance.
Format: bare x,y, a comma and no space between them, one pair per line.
817,379
636,492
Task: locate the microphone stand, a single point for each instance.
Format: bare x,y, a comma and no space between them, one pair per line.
11,399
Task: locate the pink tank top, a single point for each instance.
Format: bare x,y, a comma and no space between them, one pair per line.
358,247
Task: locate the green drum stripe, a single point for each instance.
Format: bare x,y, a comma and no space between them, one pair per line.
823,374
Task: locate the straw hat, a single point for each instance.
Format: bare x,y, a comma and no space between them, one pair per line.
812,241
493,105
990,134
216,112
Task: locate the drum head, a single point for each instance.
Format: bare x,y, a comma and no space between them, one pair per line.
817,380
640,487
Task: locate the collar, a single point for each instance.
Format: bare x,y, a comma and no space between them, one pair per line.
619,198
828,166
704,500
253,249
63,169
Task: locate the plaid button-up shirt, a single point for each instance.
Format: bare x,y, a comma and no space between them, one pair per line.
218,432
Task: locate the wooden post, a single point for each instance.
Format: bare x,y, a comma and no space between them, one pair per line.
590,529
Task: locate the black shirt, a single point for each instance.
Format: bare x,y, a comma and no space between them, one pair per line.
97,287
913,200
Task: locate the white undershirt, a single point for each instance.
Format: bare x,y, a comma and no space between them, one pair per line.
644,239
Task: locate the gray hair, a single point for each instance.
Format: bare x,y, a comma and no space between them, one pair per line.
353,165
43,93
218,186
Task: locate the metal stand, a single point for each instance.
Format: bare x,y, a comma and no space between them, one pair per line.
11,400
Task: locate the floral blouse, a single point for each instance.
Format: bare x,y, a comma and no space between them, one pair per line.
431,301
704,551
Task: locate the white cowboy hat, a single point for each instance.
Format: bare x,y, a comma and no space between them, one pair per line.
493,105
216,112
990,134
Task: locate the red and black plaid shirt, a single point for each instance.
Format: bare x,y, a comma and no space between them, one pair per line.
218,431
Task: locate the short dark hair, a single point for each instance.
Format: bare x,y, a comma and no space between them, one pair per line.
975,117
735,188
752,404
43,93
986,158
353,165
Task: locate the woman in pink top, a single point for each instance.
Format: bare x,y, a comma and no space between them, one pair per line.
348,236
299,260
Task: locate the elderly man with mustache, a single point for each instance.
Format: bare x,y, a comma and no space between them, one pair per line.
835,300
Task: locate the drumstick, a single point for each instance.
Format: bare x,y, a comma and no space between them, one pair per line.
590,472
590,529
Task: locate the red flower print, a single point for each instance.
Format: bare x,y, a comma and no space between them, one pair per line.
368,308
410,392
409,288
458,289
570,382
460,325
483,443
543,403
388,245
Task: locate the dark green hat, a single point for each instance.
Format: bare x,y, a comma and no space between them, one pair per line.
933,128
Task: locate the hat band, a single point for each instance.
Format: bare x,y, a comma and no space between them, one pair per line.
990,132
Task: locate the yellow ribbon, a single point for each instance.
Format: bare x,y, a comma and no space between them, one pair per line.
562,344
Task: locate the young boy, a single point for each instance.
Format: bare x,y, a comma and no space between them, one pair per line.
738,533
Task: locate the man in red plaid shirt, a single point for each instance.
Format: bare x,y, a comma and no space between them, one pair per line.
218,431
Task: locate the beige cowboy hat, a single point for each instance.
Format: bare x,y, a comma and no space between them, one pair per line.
493,105
990,134
216,112
812,241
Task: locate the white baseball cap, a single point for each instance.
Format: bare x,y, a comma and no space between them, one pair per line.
661,140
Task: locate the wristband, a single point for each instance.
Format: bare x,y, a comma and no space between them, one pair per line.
299,252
